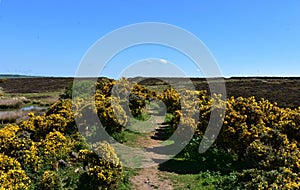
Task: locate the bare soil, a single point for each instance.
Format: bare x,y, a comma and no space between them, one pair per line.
149,178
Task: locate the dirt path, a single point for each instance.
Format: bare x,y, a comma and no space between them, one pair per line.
148,178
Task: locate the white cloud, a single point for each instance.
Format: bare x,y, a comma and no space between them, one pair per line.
163,61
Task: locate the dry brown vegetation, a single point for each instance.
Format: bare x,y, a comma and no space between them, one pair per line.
11,103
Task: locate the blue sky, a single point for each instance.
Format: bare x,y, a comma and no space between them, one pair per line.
247,38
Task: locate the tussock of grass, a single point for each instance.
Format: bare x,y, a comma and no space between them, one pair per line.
46,101
16,116
11,116
1,92
10,103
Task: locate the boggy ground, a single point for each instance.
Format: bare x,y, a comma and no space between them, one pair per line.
16,93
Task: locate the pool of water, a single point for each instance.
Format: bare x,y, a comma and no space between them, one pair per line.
26,108
29,108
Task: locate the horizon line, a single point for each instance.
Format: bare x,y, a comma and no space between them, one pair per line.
13,75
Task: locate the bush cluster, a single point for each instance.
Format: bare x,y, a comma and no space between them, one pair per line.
264,136
36,153
49,152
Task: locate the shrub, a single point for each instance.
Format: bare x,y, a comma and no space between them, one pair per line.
103,165
12,176
283,178
51,180
56,146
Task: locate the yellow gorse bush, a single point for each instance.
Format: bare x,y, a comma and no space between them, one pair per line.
102,165
34,147
51,180
56,145
12,176
263,135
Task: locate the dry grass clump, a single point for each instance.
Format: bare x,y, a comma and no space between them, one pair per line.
46,101
17,115
1,92
10,103
11,116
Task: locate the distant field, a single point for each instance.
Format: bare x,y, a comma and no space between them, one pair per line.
34,85
284,91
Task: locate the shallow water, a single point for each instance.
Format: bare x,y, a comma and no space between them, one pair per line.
26,108
29,108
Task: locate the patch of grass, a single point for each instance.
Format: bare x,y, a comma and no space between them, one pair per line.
144,116
38,95
204,180
42,99
168,142
169,117
157,88
214,160
214,169
143,124
128,173
189,181
130,138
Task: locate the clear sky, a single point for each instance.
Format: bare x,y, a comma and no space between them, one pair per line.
247,38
